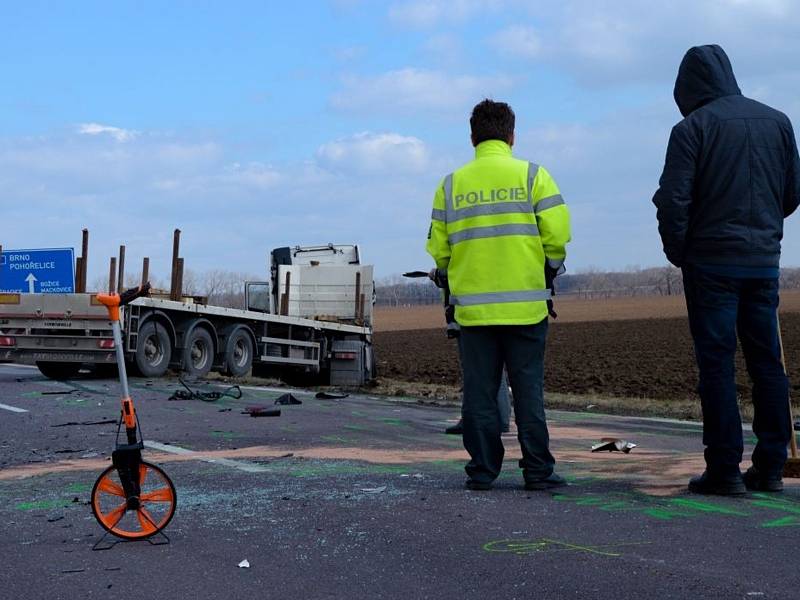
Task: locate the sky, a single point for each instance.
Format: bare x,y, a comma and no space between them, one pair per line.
254,125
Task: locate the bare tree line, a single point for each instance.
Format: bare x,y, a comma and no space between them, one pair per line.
218,286
591,283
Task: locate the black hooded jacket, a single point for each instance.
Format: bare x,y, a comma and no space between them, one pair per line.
732,173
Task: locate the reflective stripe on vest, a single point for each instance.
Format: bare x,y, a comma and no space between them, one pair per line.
493,231
500,297
549,202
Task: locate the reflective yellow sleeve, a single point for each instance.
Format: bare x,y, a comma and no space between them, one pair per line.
438,246
552,218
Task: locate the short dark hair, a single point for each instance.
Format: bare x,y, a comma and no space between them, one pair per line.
491,121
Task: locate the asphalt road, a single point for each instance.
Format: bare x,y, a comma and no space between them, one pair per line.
363,498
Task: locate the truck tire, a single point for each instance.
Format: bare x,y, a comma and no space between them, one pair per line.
238,353
153,350
198,354
59,370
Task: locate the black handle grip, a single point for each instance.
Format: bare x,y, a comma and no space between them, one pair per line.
132,294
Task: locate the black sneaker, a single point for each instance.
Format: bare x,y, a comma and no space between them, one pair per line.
722,486
551,481
478,486
756,482
456,429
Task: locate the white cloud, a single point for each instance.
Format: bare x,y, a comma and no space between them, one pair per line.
627,41
517,41
375,152
428,13
119,134
409,89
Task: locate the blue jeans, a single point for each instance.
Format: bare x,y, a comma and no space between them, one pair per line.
484,351
719,307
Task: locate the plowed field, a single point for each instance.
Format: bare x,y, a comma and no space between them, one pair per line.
647,358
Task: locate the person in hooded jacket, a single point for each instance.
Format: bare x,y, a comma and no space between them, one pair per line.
731,176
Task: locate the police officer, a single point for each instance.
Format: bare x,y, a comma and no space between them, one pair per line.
500,228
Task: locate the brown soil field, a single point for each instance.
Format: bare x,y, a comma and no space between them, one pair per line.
570,310
640,358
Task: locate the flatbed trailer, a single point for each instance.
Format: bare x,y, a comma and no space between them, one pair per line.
60,333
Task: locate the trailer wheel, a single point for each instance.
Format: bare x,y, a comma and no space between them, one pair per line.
198,355
153,350
238,353
59,370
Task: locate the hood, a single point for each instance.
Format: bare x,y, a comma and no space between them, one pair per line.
705,74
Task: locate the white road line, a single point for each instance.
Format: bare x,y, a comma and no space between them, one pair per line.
227,462
12,408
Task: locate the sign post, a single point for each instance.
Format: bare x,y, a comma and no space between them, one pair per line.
45,271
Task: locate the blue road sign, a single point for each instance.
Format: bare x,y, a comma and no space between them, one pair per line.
46,271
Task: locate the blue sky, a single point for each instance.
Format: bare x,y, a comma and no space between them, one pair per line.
251,125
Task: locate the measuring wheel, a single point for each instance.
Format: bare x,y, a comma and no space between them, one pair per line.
134,517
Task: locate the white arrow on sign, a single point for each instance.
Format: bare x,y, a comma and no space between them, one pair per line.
31,278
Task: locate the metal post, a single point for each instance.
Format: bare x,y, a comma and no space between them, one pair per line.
78,268
285,297
358,294
112,275
84,259
145,270
176,245
121,276
179,281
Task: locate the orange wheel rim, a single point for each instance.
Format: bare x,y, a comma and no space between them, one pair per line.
156,503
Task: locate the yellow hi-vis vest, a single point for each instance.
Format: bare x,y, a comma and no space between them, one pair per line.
495,222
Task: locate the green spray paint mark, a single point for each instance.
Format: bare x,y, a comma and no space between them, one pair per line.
337,439
662,509
665,514
358,413
526,547
781,505
42,504
394,422
355,427
705,507
226,435
77,488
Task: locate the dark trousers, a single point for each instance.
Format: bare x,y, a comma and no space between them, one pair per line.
719,307
484,352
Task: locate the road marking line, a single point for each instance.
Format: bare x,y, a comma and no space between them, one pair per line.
227,462
12,408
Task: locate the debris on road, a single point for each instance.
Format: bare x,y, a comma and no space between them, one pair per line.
376,490
613,445
331,395
245,564
287,399
262,411
59,392
103,422
233,391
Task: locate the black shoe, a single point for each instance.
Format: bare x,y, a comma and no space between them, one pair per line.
456,429
756,482
478,486
551,481
718,486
